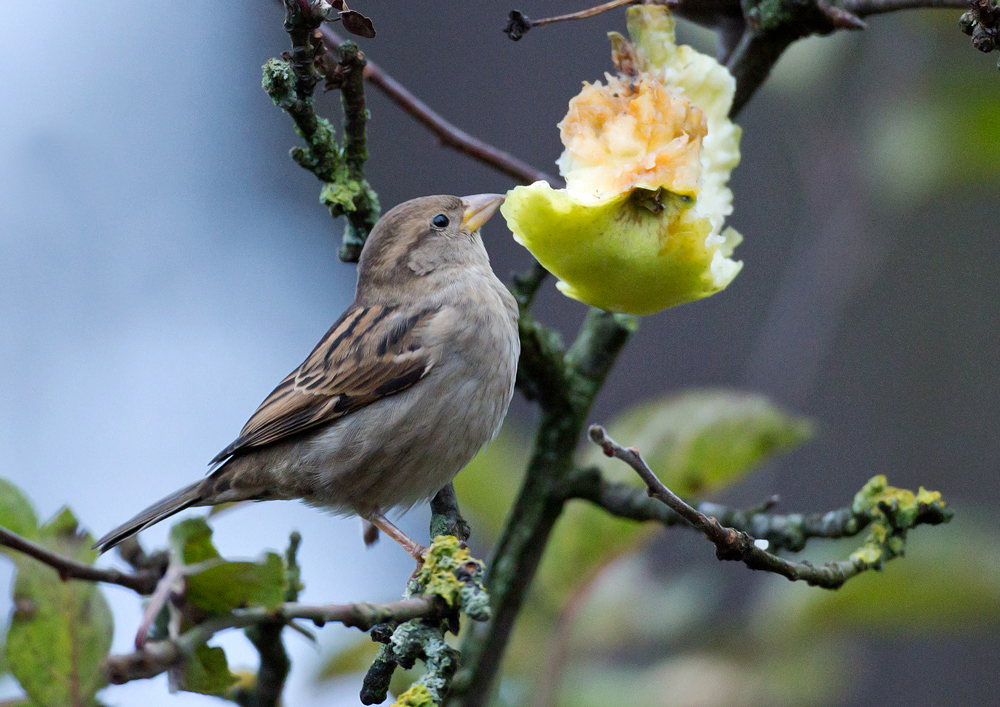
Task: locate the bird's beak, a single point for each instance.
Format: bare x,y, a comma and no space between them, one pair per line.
478,209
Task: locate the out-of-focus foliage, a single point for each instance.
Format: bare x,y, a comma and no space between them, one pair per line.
206,672
16,513
355,656
736,676
949,584
702,440
672,607
488,484
945,138
60,631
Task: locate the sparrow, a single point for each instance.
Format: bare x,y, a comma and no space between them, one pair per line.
400,394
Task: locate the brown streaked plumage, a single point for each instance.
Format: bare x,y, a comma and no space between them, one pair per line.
402,391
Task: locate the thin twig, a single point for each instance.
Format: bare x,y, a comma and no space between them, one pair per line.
449,135
143,582
782,531
170,582
773,27
864,8
732,544
159,656
583,14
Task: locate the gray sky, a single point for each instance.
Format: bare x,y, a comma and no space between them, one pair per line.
156,283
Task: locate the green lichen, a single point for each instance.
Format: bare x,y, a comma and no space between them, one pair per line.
893,512
442,661
771,14
339,196
417,696
902,505
279,83
449,572
446,564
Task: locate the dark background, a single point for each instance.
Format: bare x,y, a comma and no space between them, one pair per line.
163,263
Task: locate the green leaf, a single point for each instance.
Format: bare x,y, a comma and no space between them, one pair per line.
60,632
948,584
702,440
16,513
191,541
207,672
945,138
218,587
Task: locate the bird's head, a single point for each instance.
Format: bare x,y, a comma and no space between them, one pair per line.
426,239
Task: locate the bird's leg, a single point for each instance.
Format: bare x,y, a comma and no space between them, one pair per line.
415,549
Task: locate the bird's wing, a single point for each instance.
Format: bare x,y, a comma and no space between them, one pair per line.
371,352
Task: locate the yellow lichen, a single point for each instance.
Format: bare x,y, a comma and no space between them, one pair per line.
416,696
438,573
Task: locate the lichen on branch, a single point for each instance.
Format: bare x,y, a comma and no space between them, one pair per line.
897,511
452,578
291,81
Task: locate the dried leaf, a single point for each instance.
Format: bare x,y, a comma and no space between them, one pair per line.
356,23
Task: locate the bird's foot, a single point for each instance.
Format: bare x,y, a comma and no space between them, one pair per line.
412,547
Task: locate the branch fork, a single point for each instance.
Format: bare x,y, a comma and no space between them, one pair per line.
898,511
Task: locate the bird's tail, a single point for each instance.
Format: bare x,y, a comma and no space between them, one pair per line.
174,503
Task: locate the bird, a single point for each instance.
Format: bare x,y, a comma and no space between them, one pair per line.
411,381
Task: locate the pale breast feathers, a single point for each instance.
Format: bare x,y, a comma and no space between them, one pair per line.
368,354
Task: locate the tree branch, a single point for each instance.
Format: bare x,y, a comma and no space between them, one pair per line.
449,135
782,531
865,8
518,23
290,82
732,544
577,376
265,636
772,26
158,656
362,218
446,518
143,581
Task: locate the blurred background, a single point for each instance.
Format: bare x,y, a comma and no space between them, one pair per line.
163,264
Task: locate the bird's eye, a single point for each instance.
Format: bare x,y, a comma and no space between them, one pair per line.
440,221
687,199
